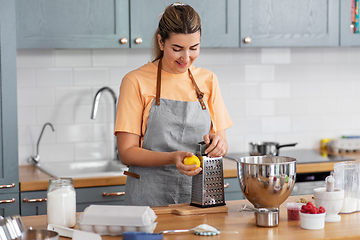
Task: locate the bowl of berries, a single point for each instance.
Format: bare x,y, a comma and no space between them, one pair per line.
312,217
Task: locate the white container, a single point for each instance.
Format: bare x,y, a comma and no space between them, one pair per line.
331,201
61,202
347,177
312,221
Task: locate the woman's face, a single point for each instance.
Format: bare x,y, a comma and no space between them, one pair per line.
180,51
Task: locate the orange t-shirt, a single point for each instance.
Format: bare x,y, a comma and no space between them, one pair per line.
138,91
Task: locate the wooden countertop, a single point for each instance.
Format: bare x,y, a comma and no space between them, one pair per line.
33,179
240,225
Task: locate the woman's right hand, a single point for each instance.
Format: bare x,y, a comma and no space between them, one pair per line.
178,159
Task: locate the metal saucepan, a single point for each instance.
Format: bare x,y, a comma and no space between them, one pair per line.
267,148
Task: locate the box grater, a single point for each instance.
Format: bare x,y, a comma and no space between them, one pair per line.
208,185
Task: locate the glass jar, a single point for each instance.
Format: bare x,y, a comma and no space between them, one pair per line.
61,202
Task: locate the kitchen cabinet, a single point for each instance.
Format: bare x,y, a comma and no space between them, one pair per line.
295,23
9,173
34,202
108,24
232,189
72,24
219,21
347,38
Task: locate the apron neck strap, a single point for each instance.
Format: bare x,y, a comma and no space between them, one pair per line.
199,94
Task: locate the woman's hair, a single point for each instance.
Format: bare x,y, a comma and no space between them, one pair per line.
177,18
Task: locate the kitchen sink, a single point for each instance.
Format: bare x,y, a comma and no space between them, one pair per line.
83,169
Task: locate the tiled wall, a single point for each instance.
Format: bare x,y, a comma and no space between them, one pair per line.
284,94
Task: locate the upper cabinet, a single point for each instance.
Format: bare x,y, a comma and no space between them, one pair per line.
219,21
225,23
72,24
108,24
347,36
284,23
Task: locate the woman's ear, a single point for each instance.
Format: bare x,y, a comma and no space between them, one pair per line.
160,42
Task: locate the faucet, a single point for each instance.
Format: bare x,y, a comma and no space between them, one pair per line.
95,109
35,159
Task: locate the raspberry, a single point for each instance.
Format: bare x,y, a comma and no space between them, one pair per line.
309,204
321,209
313,210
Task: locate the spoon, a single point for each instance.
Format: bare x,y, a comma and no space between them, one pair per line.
198,229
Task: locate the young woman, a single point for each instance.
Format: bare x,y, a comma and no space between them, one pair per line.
165,108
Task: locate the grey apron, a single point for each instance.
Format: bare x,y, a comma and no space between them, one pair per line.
172,126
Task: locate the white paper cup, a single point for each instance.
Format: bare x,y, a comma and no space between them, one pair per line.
312,221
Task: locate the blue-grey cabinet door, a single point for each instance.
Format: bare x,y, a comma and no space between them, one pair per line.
72,24
289,23
9,203
347,37
33,203
232,189
9,170
219,20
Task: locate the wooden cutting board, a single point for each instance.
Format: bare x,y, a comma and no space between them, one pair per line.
187,209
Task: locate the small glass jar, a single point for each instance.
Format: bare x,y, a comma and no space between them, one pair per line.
61,202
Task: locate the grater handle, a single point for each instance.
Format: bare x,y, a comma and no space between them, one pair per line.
200,149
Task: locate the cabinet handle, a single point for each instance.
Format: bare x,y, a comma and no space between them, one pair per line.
226,185
138,40
35,200
123,41
7,201
105,194
7,186
247,40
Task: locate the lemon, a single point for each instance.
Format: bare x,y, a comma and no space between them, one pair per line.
192,160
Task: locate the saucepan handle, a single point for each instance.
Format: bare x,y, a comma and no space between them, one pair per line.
286,145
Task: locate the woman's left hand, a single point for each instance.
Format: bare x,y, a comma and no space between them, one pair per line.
217,144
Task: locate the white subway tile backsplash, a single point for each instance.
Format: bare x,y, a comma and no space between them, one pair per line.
54,77
260,108
110,57
274,94
74,133
73,58
43,96
35,58
293,106
276,124
275,55
91,76
275,90
26,116
259,73
26,77
305,90
62,115
74,96
306,123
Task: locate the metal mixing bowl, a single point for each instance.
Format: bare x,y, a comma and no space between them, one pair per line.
266,181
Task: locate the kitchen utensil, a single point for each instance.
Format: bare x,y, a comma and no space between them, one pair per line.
264,217
347,177
312,221
185,209
39,234
141,236
11,227
202,229
266,181
208,185
267,148
73,233
331,201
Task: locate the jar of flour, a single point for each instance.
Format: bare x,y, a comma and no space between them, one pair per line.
61,202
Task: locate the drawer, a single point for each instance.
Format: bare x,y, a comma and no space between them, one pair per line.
9,204
33,203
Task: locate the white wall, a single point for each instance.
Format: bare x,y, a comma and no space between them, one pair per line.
285,95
